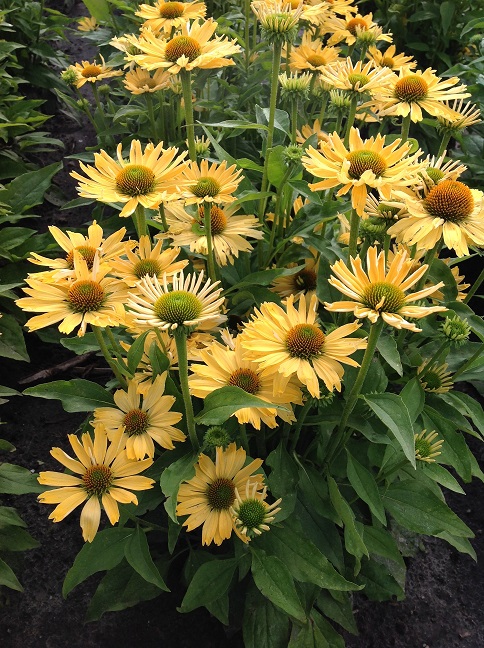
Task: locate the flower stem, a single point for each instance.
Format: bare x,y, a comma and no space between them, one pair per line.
247,15
300,422
186,82
322,111
434,359
207,222
151,116
161,209
351,118
443,144
429,258
105,351
244,438
354,227
469,362
405,128
293,120
182,353
340,438
140,220
475,287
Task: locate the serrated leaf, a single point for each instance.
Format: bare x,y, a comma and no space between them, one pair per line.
76,395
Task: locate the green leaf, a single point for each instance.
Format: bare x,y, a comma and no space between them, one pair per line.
338,609
393,412
14,538
379,582
103,553
447,10
210,582
99,9
12,342
76,395
122,587
418,509
353,541
365,486
388,348
223,402
264,625
275,582
81,345
413,396
304,560
28,190
276,166
171,478
136,351
137,553
326,633
442,476
284,474
8,578
454,451
467,406
10,517
238,123
16,480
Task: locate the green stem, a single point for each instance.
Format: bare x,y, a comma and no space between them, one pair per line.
244,438
186,82
293,120
99,105
434,359
161,209
86,108
151,116
469,362
475,287
105,351
182,353
322,112
443,144
300,422
351,118
339,121
139,219
116,349
429,258
207,223
165,135
247,14
405,128
354,227
340,438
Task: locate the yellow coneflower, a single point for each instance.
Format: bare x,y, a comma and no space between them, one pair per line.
166,15
435,378
146,260
87,24
185,303
87,246
312,55
304,282
229,231
387,210
448,210
365,164
145,418
93,72
225,366
147,178
410,92
289,343
352,28
279,19
103,475
356,77
209,496
437,169
203,183
378,293
251,513
389,59
426,446
308,131
459,116
91,298
193,47
139,81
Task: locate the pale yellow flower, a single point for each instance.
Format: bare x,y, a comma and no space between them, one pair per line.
93,72
139,81
167,15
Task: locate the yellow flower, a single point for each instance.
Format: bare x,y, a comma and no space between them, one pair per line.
146,179
389,59
359,77
251,513
208,497
307,131
435,378
289,343
304,282
91,298
186,303
367,163
377,293
312,55
215,184
426,447
229,232
450,210
436,169
144,418
463,116
413,91
278,19
93,72
352,28
225,366
147,261
139,81
87,246
167,16
87,24
103,476
191,48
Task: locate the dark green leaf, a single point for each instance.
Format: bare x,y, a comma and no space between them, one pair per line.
365,486
210,582
16,480
265,626
137,553
136,351
28,190
12,343
8,578
388,349
223,402
76,395
413,396
171,478
393,412
14,538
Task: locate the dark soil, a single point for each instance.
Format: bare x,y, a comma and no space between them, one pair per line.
444,607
